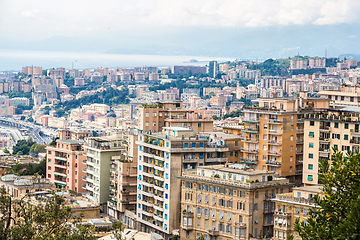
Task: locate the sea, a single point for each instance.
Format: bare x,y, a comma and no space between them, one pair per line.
14,60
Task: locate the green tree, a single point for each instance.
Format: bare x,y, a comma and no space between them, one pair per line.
51,220
6,150
118,232
336,214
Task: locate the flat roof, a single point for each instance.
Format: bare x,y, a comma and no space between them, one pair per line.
69,141
315,188
236,168
179,129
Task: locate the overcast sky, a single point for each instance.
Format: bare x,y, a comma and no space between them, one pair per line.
38,19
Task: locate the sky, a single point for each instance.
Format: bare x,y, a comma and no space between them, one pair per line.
39,19
251,29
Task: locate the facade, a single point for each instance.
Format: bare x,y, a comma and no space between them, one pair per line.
228,202
184,70
99,152
170,114
346,96
327,130
65,165
292,206
273,134
213,69
73,134
123,182
162,158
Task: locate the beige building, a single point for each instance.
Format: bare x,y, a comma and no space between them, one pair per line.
228,202
327,130
73,134
346,96
292,206
171,114
123,182
65,164
274,134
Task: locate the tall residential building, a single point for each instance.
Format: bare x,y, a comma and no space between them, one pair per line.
65,165
32,70
229,202
100,151
123,182
273,134
327,130
213,69
292,206
162,157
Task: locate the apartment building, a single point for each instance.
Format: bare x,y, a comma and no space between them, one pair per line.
162,157
171,114
99,152
65,163
292,206
324,131
123,182
274,134
228,202
346,96
73,134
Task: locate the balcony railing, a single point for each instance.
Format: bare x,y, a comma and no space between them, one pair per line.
274,121
249,150
274,153
273,142
249,160
251,120
251,140
273,163
274,132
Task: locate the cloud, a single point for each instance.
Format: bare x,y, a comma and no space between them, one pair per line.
39,18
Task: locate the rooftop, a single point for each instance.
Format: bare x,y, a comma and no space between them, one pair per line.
236,168
69,141
314,189
179,129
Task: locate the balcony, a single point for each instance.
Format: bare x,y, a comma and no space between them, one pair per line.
355,132
190,160
251,140
325,140
300,131
187,227
249,160
216,160
324,129
299,141
299,171
282,214
273,163
323,152
240,224
273,142
273,153
251,120
298,162
353,141
274,132
249,150
299,151
60,165
266,224
250,130
274,121
213,232
269,209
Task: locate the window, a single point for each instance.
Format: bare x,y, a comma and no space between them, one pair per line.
312,123
336,125
311,155
193,145
265,126
311,134
311,145
201,145
290,169
297,210
310,177
256,207
346,126
284,208
346,137
186,145
146,124
231,154
147,114
306,211
265,137
310,167
236,143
